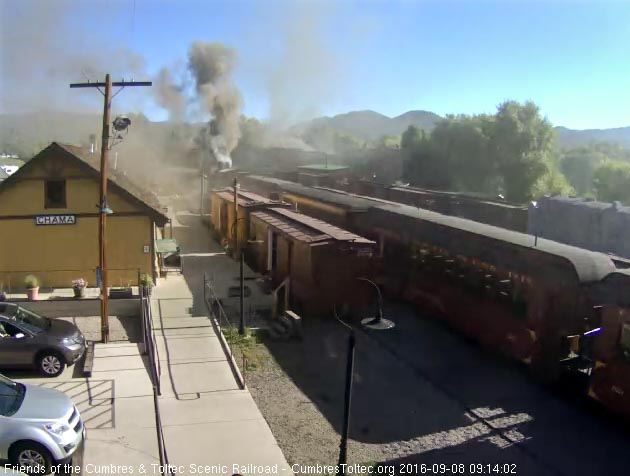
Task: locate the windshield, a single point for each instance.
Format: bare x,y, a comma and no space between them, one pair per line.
32,321
11,396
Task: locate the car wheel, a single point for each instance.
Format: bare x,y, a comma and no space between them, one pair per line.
50,364
31,455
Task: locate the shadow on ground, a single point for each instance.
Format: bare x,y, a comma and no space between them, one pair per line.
437,397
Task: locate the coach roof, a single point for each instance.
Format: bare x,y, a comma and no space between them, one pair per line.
589,266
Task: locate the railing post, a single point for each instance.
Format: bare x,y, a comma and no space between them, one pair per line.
143,323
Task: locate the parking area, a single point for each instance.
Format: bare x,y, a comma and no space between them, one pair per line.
116,402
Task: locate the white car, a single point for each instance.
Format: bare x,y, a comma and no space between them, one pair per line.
39,427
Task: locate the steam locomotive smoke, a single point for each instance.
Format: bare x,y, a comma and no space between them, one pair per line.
211,66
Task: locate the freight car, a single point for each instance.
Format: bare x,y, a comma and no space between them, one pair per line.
555,307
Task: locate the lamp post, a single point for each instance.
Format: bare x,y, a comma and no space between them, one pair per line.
534,219
377,323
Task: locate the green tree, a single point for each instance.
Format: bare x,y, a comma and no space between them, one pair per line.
412,137
578,165
343,143
612,181
521,142
388,142
425,167
552,182
462,143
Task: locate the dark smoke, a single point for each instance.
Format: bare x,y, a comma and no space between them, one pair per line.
211,66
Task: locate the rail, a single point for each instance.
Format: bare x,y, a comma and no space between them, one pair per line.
226,330
150,349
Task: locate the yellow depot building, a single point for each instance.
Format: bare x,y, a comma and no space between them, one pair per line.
49,216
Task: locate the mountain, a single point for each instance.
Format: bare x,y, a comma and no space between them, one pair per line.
570,138
370,125
28,133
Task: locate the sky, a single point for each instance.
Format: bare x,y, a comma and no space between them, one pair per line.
299,59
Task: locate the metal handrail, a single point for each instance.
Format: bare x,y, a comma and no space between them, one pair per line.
218,319
150,347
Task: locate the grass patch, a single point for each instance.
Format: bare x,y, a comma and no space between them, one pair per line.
246,349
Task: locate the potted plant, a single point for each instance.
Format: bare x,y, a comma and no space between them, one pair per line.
227,246
147,283
78,286
32,287
121,292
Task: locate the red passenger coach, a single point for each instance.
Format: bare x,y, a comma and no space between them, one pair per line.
510,291
610,378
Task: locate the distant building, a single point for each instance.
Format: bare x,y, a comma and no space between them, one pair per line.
322,175
588,224
49,216
9,164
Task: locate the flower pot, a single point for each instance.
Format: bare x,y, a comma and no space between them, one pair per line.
33,293
120,293
79,292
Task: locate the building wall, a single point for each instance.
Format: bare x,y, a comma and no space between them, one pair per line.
47,250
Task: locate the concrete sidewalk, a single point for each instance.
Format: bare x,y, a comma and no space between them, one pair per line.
116,405
207,420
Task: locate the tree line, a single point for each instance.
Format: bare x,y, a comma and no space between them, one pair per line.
512,153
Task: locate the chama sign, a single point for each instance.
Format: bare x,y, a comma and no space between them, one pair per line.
55,220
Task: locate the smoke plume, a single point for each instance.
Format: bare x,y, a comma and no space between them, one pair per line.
211,65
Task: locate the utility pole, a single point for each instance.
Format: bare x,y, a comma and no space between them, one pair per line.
239,255
104,209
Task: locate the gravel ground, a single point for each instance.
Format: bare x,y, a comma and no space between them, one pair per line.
424,395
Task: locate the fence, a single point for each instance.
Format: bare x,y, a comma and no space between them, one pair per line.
228,331
150,349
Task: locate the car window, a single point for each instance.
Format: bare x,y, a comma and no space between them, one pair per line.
7,309
11,396
33,321
10,330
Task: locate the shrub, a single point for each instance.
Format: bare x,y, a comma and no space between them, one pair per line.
31,282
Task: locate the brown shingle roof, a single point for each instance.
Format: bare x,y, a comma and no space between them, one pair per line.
305,228
121,183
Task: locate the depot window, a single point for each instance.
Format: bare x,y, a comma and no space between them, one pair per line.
55,193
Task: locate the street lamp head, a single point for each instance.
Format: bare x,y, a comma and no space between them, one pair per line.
121,123
377,323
